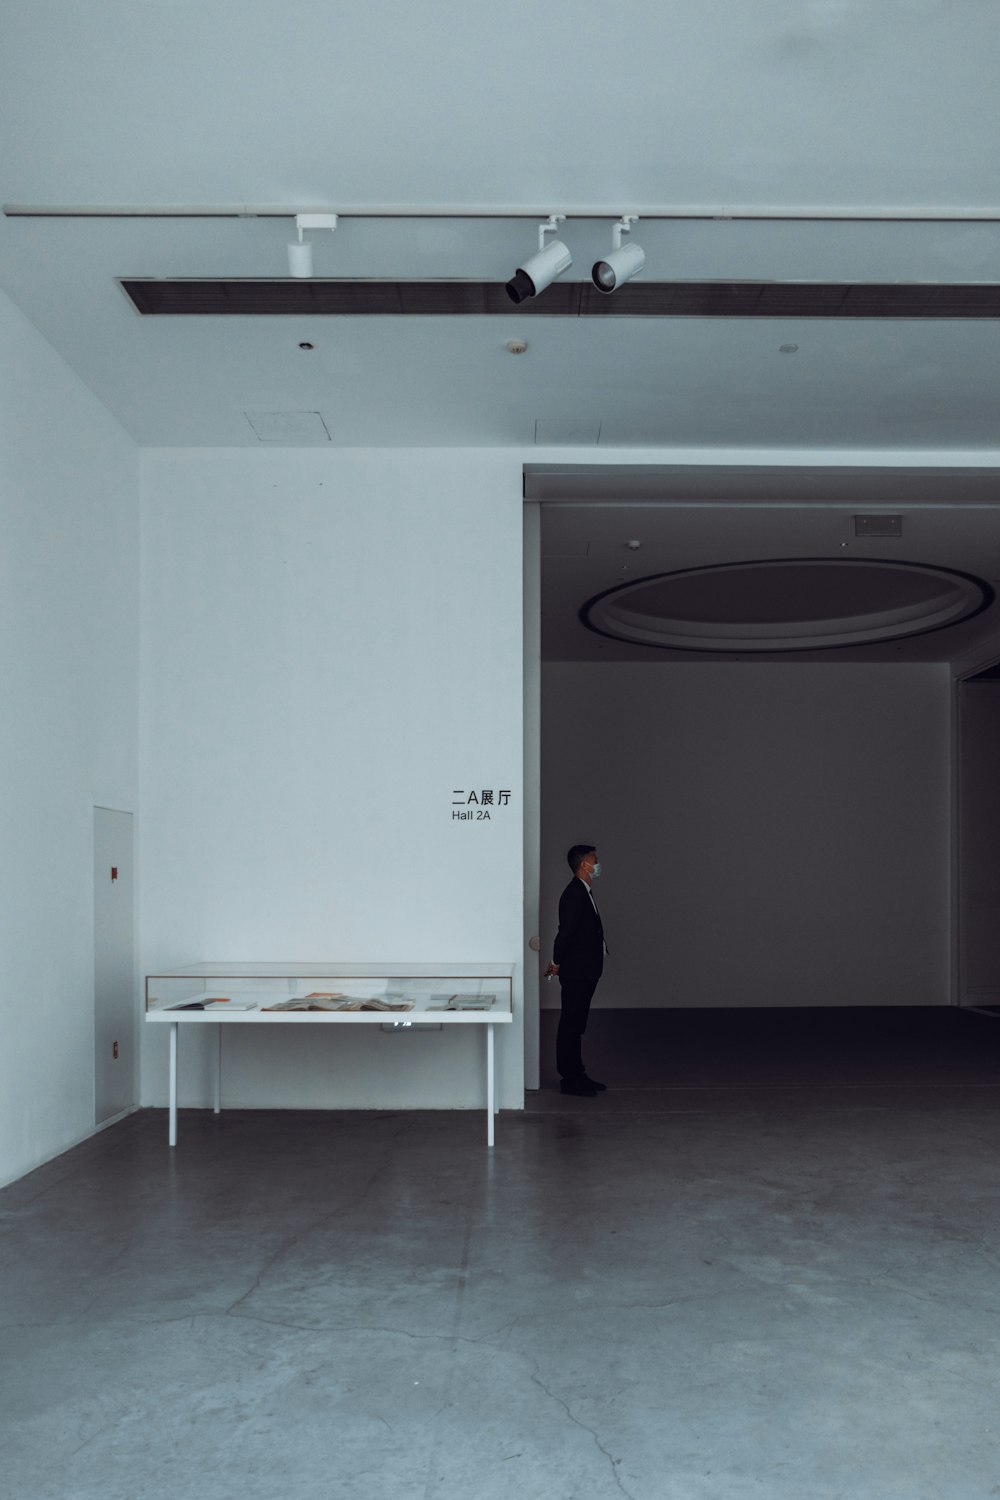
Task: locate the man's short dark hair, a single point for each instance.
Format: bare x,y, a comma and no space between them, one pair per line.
578,854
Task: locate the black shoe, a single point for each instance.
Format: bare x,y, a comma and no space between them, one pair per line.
581,1086
593,1083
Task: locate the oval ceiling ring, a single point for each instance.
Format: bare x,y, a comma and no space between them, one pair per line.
758,606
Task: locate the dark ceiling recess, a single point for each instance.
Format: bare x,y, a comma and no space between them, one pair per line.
573,299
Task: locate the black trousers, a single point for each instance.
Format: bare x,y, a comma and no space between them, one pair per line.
577,994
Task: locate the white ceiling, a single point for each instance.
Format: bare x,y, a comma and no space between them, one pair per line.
824,117
797,106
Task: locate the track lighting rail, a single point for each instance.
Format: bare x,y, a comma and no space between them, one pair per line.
819,214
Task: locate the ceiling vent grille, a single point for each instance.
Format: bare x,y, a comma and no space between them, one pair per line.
878,526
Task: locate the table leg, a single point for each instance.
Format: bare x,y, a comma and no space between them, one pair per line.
218,1069
489,1084
172,1125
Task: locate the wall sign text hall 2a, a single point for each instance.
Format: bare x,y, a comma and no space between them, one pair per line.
477,807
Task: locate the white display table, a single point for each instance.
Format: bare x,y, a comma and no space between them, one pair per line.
401,996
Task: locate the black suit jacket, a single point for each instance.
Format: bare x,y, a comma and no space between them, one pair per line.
579,944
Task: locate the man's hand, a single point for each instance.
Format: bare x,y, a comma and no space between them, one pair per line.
552,969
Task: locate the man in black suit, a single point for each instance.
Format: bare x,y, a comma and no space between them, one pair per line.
578,959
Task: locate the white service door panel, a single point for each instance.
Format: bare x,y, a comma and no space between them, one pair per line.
114,965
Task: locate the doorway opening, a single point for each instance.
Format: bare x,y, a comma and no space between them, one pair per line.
775,828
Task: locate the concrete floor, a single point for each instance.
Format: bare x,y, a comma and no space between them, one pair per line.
772,1273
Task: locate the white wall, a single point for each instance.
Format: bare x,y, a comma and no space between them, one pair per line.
331,647
68,714
772,834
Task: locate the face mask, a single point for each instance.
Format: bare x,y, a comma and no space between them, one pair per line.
595,871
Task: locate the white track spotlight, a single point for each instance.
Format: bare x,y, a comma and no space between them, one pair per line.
624,261
300,251
300,258
542,269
